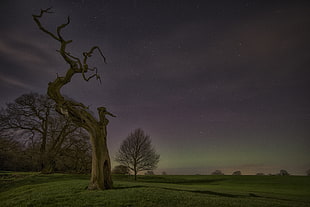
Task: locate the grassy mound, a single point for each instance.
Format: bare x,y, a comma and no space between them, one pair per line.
33,189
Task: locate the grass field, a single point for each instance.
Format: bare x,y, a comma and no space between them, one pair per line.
33,189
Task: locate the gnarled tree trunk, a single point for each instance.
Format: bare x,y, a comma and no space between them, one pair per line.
77,112
101,165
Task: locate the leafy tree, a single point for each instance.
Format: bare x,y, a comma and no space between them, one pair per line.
77,112
137,153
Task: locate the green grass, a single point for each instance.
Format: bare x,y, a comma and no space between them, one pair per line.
33,189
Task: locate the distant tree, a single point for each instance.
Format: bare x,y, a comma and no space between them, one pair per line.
260,174
217,172
164,173
149,172
237,173
137,153
308,172
121,170
283,173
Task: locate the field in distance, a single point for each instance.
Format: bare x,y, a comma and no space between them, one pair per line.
34,189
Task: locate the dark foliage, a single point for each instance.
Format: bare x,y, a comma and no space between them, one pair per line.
33,137
217,172
237,172
121,170
283,173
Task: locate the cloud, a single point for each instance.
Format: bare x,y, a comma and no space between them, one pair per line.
28,52
17,54
15,82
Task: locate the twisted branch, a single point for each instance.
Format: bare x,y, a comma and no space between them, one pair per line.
77,111
74,62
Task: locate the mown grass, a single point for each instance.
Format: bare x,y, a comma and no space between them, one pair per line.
33,189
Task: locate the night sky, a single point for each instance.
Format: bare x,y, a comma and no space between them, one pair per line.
217,84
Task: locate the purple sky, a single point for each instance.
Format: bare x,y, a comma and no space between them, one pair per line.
217,84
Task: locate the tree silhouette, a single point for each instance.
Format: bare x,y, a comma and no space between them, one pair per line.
120,170
237,172
29,115
78,112
217,172
136,152
149,172
283,173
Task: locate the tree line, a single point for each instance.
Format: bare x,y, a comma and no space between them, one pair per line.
34,137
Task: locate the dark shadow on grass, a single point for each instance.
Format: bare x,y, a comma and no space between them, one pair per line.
206,192
227,195
274,198
127,187
176,180
216,193
202,181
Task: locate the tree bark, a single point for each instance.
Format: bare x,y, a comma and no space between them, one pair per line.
101,166
78,113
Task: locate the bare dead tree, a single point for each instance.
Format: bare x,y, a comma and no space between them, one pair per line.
78,112
136,152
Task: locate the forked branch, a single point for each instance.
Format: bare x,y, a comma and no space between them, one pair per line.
75,63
